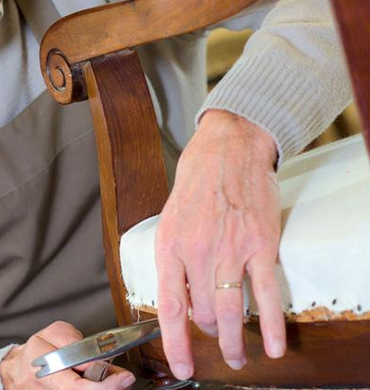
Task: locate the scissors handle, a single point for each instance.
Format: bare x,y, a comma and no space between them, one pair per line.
98,371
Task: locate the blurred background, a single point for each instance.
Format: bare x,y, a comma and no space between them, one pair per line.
224,48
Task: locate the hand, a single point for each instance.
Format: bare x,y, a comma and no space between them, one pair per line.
221,220
17,373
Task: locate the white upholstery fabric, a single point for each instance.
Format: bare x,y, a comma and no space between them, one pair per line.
324,255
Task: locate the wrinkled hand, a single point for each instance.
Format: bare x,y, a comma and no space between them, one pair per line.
222,219
17,373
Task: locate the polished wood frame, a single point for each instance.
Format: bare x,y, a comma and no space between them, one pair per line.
88,55
353,20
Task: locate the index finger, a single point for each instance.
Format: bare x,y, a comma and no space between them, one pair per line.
266,290
59,334
173,306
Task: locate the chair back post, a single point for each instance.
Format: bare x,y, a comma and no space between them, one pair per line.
353,20
132,172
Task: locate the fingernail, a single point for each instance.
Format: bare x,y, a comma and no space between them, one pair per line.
182,371
276,349
128,380
237,364
210,331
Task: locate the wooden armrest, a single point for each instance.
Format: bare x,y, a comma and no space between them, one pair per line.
115,27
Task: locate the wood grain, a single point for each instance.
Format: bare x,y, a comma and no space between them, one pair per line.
320,355
132,174
138,165
353,19
319,314
102,30
115,27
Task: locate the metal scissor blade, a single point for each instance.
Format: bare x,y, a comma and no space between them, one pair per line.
44,367
101,346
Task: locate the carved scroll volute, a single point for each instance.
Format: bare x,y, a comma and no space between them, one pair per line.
65,81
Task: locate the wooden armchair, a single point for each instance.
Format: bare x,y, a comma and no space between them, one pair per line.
90,55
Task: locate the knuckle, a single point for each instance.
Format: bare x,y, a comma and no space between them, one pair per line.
58,331
196,247
261,238
164,237
262,234
163,250
204,318
265,287
229,312
192,253
58,325
171,306
174,346
34,339
230,351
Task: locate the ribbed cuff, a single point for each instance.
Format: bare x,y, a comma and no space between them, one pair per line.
3,352
278,99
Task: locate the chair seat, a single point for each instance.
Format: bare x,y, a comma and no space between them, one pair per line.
324,255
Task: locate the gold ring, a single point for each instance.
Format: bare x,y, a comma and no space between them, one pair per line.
228,285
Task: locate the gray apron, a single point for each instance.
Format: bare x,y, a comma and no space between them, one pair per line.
51,252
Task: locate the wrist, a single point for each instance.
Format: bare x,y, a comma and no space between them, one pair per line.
222,123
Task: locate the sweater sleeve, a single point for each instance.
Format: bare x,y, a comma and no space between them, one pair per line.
3,352
291,79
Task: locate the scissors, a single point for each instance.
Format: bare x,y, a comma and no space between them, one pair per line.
101,346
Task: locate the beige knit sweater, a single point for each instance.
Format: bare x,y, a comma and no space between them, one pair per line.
291,79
